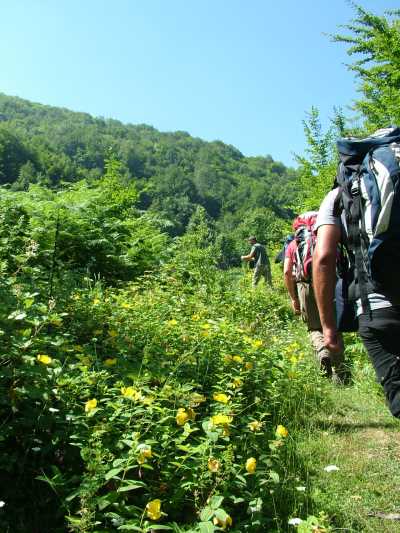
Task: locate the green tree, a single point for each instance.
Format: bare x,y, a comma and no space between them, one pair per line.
375,41
317,168
13,155
264,224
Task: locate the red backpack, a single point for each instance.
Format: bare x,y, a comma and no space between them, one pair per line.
305,237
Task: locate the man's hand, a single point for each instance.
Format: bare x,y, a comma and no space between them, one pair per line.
295,306
332,341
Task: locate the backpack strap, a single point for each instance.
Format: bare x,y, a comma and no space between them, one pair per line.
338,204
346,260
356,236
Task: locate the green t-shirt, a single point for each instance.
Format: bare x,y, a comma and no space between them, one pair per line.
260,255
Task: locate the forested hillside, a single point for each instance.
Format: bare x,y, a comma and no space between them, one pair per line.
173,172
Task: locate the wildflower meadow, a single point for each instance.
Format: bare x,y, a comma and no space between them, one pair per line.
162,403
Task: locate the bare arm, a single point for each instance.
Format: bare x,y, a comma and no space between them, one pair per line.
291,284
324,281
248,257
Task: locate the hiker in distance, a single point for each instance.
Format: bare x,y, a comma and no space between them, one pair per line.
297,273
262,268
362,213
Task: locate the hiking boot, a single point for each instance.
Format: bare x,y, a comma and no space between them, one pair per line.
341,376
336,378
326,366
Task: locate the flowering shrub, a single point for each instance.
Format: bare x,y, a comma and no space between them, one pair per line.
165,404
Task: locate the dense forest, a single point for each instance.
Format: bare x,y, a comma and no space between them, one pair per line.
144,385
173,172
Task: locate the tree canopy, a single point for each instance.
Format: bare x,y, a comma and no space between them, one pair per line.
375,43
173,172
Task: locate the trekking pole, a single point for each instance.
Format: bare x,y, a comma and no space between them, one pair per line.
53,259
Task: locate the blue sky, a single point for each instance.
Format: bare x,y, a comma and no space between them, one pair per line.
244,72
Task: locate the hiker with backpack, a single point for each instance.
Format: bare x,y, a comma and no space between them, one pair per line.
280,256
362,215
258,255
298,280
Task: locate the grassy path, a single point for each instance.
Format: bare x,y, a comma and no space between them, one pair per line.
354,431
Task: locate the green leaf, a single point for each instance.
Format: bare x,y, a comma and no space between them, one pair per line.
241,478
113,473
206,514
118,462
160,526
17,315
213,436
131,486
274,476
72,496
74,520
28,302
221,515
206,527
216,501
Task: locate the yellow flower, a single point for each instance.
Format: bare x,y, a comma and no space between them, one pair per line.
44,359
131,393
293,359
125,305
221,397
221,420
145,452
237,359
223,523
195,317
90,405
251,465
96,301
153,509
110,361
206,326
213,464
255,425
236,383
113,333
248,366
181,416
257,344
172,322
196,399
281,431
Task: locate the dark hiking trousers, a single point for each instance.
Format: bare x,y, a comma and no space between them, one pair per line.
381,338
